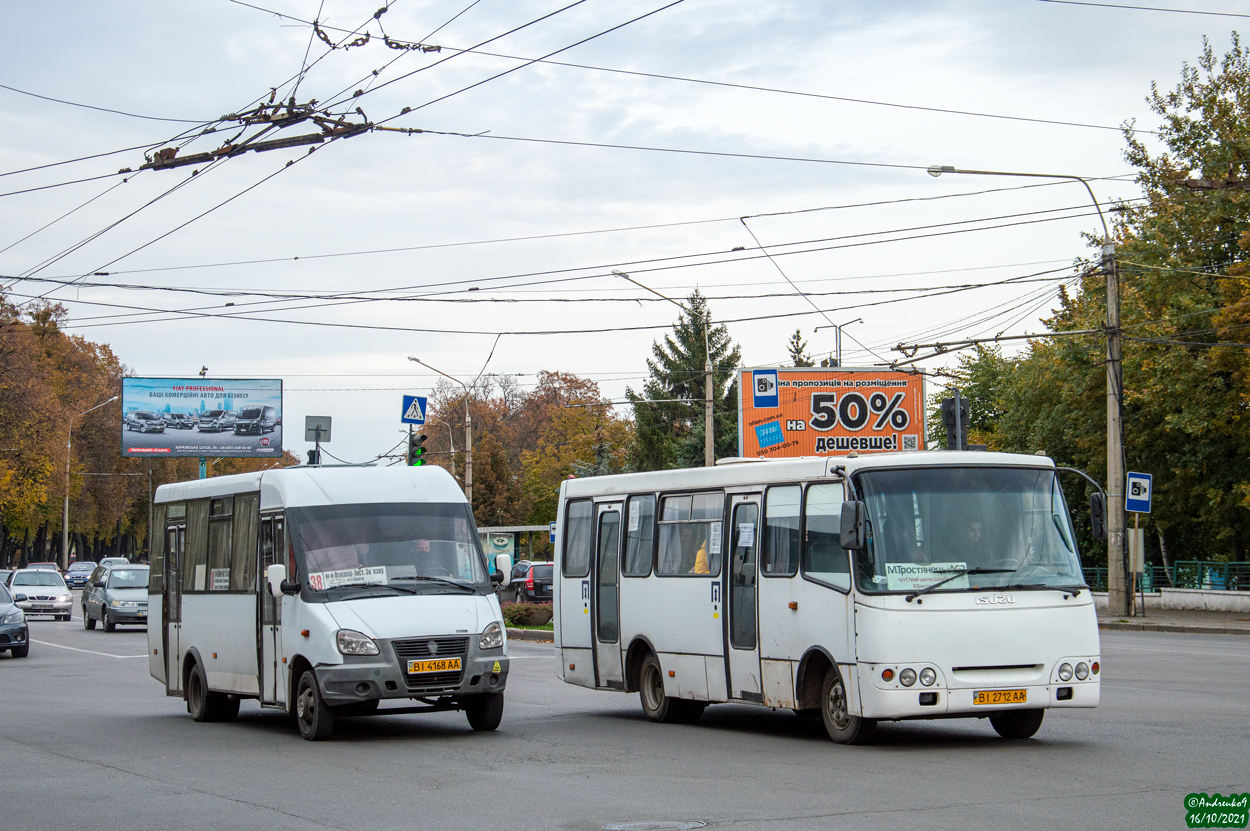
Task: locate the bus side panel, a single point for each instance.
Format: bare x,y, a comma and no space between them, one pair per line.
578,666
689,676
156,644
715,668
677,614
778,686
223,628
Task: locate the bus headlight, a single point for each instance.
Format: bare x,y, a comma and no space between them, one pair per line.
907,677
492,637
352,642
1082,671
927,676
1065,672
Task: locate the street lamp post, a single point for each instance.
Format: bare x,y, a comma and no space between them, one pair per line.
1120,601
69,444
838,339
468,432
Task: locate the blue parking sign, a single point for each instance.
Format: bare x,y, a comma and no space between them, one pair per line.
1137,493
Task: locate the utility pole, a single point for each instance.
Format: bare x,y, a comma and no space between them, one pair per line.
709,452
1119,600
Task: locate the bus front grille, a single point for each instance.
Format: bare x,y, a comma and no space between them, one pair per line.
414,649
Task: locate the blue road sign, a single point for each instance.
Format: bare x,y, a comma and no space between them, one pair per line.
764,388
414,410
1137,493
553,532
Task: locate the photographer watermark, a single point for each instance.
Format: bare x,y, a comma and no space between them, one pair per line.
1217,811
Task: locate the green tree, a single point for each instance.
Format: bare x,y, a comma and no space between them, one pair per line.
668,413
798,350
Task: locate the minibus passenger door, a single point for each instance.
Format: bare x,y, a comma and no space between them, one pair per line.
171,607
607,581
272,690
743,624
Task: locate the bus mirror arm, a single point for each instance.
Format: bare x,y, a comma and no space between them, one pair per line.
289,587
853,536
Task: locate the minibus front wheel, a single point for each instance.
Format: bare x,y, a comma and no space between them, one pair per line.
314,716
484,711
841,726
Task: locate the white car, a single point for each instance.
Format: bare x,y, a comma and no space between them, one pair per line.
41,592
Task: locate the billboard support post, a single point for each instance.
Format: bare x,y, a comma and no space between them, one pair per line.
203,467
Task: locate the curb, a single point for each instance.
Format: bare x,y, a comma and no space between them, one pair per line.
1175,628
540,635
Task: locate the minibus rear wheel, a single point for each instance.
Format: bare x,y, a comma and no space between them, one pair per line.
841,726
660,707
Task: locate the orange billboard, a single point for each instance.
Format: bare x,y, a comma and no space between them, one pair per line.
828,411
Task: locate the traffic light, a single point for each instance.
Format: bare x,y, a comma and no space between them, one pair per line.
948,419
416,452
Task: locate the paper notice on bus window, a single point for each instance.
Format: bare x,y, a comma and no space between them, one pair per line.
219,580
746,534
635,511
916,576
714,543
322,580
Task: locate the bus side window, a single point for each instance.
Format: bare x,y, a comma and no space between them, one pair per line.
194,558
824,559
578,537
780,555
243,559
639,536
156,574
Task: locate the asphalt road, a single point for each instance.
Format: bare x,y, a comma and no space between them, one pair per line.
89,741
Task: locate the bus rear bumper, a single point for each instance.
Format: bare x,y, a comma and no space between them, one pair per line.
939,702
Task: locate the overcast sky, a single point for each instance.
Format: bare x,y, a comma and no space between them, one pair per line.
484,216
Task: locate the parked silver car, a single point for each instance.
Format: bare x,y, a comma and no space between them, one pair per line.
145,422
39,591
116,594
214,421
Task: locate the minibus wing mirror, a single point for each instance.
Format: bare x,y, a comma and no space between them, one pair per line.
275,575
853,536
503,570
1098,516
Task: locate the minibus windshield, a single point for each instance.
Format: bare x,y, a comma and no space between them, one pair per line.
419,546
252,413
929,524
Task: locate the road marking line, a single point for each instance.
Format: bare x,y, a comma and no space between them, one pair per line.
88,651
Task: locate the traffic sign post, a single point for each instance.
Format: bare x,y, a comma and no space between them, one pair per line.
1138,490
414,410
1137,493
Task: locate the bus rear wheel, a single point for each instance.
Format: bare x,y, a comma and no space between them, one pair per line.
205,705
315,719
841,726
659,707
1017,724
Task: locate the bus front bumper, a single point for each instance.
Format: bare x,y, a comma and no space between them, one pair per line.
938,702
383,677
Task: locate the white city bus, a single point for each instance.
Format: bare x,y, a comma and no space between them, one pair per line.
323,591
884,587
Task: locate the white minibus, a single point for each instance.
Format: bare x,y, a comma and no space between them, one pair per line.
861,589
323,591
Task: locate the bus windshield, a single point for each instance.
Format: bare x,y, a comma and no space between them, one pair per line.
412,546
929,524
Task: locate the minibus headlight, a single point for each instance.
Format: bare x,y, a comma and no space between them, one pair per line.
352,642
927,676
907,677
1065,672
492,637
1082,671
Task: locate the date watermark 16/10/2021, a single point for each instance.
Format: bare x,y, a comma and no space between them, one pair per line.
1215,811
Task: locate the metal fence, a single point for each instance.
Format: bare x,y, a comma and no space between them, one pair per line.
1184,574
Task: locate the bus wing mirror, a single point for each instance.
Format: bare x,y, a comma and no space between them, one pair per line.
503,569
275,575
853,536
1098,516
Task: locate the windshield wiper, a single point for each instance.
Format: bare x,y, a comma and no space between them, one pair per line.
909,598
372,586
442,580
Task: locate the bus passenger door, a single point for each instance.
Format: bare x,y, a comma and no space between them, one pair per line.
609,670
171,606
743,623
272,679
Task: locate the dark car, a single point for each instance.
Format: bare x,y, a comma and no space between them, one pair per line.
77,574
215,421
179,421
116,594
14,631
145,421
256,420
535,586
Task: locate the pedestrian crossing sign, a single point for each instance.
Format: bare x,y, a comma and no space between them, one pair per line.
414,410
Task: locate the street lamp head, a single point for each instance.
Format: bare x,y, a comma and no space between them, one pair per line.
938,169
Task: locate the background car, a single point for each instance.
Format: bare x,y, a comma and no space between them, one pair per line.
216,420
47,566
38,591
114,561
256,420
145,422
535,586
4,575
78,572
14,631
116,594
179,421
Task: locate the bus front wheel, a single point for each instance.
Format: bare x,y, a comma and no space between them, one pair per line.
1017,724
484,711
841,726
316,720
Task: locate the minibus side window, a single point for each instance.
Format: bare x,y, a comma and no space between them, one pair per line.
780,556
156,545
219,512
690,534
194,571
578,537
639,536
243,559
824,559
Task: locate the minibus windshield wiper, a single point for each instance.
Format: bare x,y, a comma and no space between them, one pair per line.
909,598
372,586
442,580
